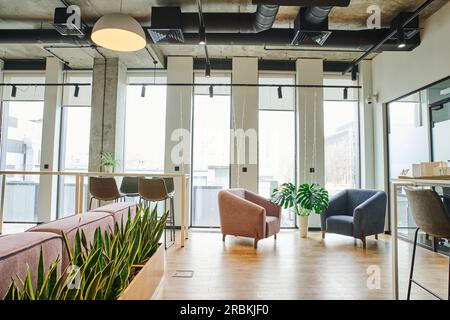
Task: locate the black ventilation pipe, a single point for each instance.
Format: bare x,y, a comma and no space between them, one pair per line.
261,20
317,15
357,40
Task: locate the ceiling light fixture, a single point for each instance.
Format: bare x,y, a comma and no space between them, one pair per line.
401,38
280,93
345,93
119,32
143,92
14,91
202,35
76,91
211,91
208,70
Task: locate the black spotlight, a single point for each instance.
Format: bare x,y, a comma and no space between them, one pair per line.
13,91
401,38
201,35
354,74
345,93
143,92
211,91
208,70
76,91
280,93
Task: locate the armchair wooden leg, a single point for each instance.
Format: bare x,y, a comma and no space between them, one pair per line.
275,236
223,237
255,244
323,234
376,237
364,242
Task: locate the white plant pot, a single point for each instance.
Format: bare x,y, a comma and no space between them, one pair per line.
108,169
303,222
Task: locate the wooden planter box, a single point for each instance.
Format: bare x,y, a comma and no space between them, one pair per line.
145,284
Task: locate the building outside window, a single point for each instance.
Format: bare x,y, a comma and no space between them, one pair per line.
277,137
145,120
22,116
210,148
74,139
341,130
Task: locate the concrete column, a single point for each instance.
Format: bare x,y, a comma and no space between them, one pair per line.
244,123
311,158
178,122
48,185
109,81
366,117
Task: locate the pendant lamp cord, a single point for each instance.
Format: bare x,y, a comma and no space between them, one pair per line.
121,2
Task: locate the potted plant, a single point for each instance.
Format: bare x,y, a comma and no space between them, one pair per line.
303,200
108,162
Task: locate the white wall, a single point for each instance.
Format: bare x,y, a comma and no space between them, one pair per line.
396,74
310,121
50,140
178,116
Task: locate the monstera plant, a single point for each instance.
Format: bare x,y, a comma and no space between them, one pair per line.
302,200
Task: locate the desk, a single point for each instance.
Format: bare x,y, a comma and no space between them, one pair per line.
79,185
405,182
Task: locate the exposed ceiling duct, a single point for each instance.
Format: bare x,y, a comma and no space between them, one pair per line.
357,40
262,19
255,29
312,24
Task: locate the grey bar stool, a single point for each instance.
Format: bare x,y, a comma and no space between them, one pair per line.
103,189
155,190
129,187
430,216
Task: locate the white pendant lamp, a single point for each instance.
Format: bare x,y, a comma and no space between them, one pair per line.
119,32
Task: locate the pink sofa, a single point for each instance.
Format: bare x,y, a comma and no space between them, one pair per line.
18,250
22,249
246,214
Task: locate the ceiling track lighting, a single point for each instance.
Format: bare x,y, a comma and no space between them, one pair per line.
143,92
211,91
401,38
208,70
202,35
76,91
14,91
345,93
280,93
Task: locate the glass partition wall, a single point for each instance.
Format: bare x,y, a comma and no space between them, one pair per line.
418,130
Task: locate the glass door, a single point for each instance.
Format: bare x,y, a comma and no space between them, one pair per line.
211,149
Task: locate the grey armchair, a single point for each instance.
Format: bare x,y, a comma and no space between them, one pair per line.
355,213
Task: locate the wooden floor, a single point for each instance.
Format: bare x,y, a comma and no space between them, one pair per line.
294,268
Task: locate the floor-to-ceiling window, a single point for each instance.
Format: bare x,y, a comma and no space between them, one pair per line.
210,148
145,123
22,115
277,138
341,130
74,139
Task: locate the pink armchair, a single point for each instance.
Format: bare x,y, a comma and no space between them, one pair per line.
246,214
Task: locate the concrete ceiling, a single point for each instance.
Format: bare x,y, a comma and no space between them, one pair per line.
27,14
